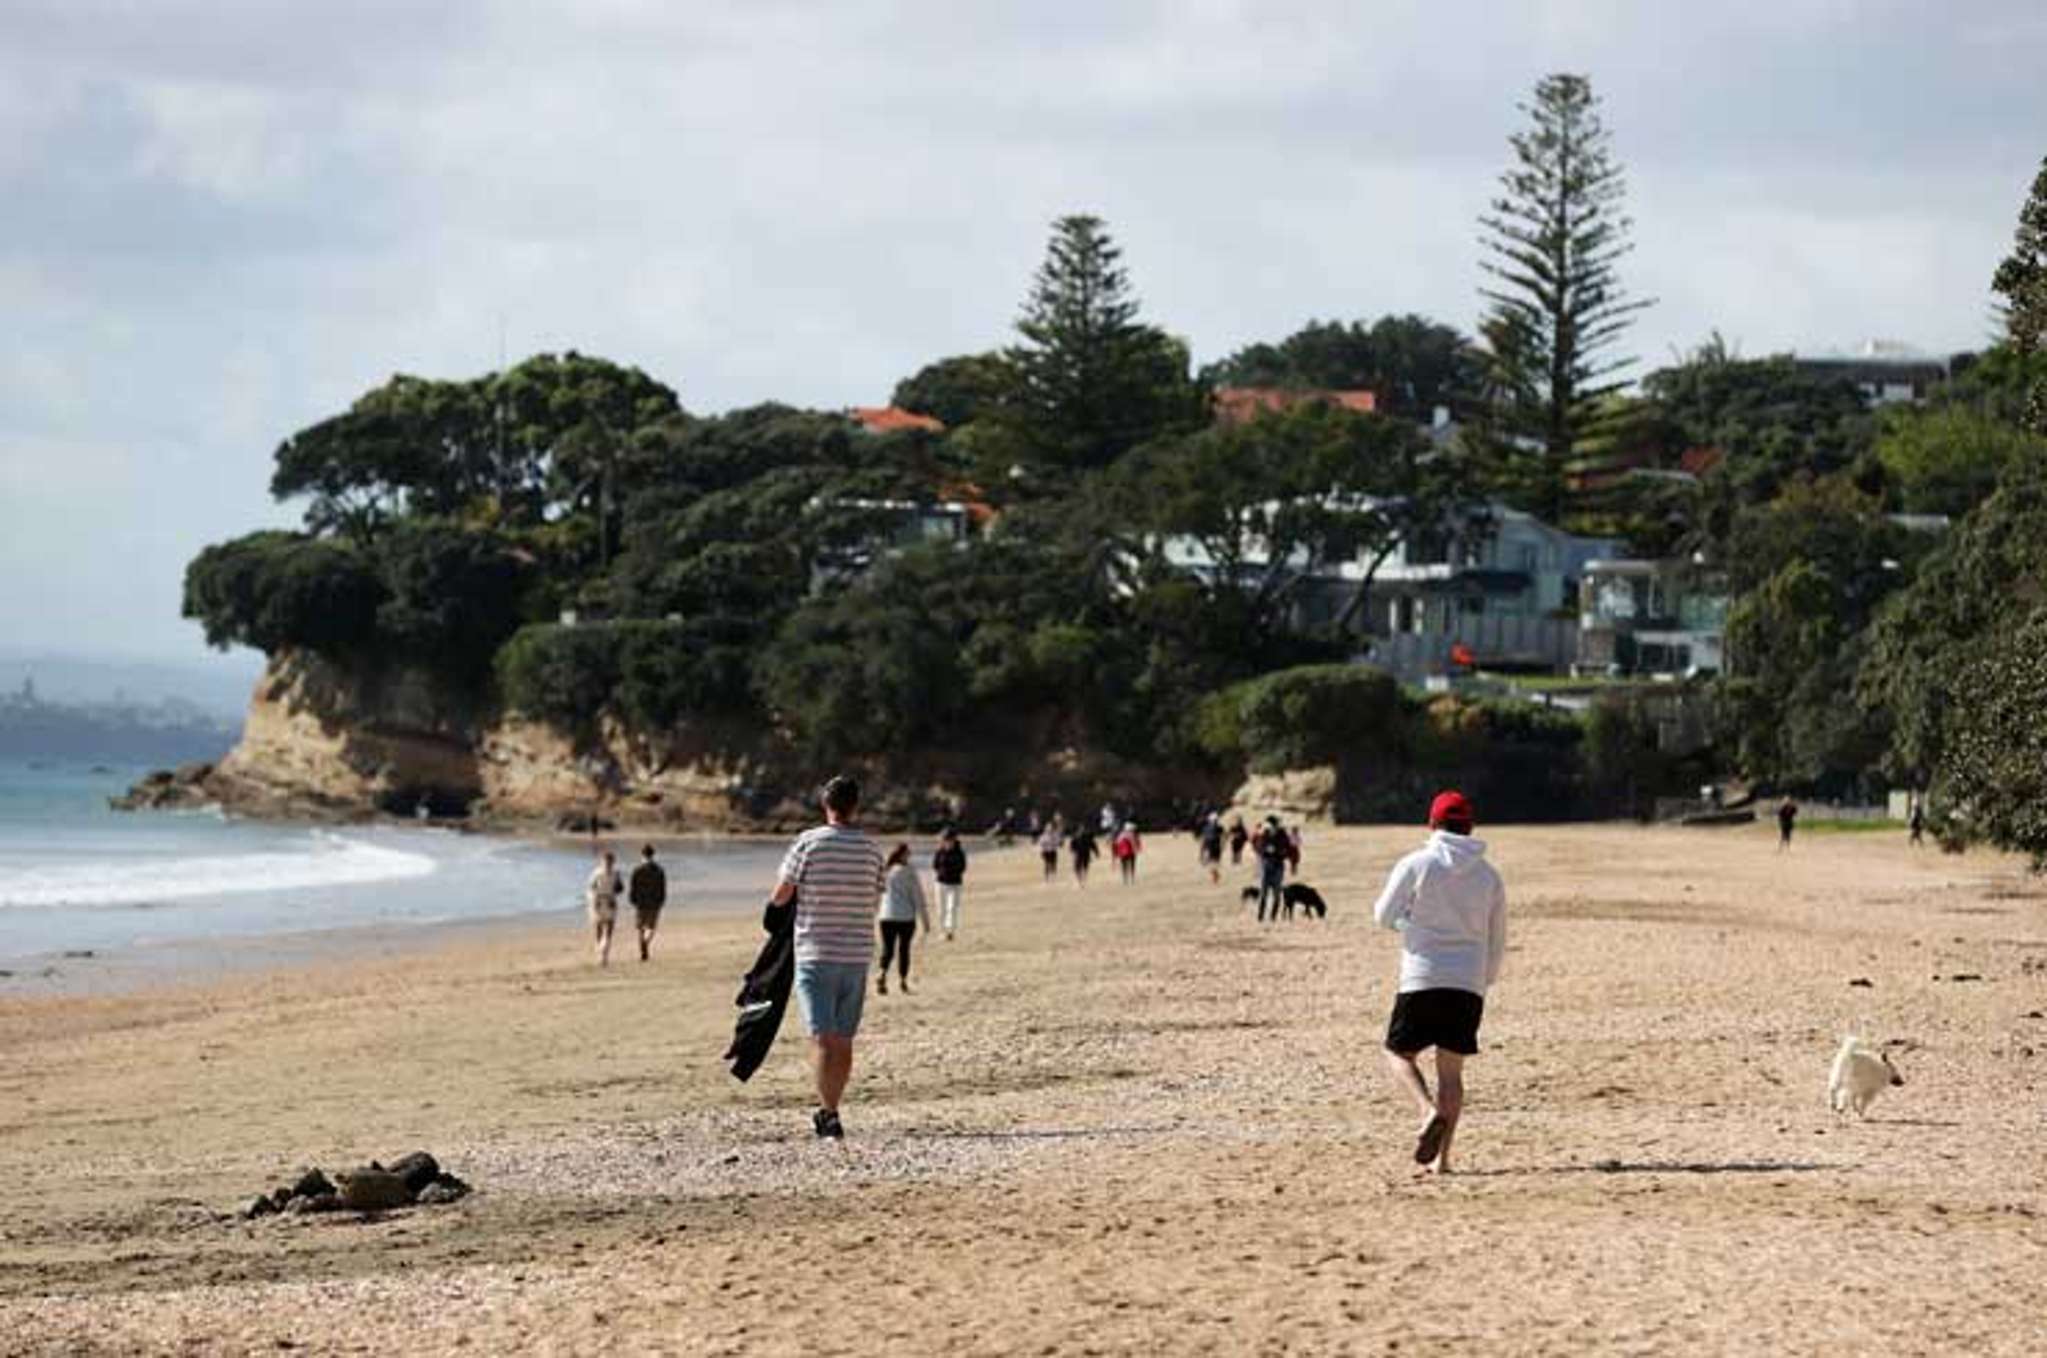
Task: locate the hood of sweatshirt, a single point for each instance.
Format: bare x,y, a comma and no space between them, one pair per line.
1458,853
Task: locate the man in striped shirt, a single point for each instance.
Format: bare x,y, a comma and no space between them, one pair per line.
835,873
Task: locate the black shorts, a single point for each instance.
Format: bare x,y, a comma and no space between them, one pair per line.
1435,1018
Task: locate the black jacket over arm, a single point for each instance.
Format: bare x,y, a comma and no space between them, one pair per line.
764,994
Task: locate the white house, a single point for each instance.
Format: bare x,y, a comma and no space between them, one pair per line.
1496,584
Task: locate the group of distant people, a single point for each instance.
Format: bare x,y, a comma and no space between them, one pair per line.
1447,902
1083,845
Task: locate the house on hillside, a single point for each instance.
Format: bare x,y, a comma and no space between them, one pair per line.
897,525
1497,591
1241,405
1494,588
1884,371
1651,617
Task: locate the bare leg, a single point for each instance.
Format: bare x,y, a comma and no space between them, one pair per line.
646,940
833,1058
1409,1077
604,928
1449,1101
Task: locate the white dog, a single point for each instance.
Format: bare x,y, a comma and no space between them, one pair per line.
1861,1072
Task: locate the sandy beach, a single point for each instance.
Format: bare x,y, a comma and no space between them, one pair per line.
1119,1120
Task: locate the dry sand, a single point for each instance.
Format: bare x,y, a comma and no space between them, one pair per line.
1125,1120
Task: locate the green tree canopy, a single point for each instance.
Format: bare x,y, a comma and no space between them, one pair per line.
530,443
1411,364
955,391
1948,459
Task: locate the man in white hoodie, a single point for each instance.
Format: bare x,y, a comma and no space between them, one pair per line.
1451,910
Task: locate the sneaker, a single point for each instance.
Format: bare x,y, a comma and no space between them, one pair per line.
826,1124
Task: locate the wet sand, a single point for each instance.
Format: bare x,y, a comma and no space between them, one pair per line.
1118,1120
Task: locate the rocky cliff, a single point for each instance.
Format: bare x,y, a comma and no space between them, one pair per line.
324,743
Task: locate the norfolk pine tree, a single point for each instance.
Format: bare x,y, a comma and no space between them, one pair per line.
1090,382
2021,280
1554,237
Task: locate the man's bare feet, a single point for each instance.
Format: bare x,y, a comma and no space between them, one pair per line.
1428,1144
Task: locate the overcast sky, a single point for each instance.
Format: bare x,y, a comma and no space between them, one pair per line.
225,220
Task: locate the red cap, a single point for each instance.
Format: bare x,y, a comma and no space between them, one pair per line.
1450,806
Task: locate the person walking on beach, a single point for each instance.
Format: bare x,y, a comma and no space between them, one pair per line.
648,892
949,867
1126,846
601,894
1212,847
1084,849
834,874
903,907
1048,848
1450,907
1239,837
1787,821
1271,846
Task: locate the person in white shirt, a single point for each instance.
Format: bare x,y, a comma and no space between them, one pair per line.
600,893
1451,910
903,908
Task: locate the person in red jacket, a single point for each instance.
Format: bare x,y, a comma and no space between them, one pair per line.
1126,848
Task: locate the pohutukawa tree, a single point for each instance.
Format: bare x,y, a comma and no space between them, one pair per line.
2021,281
1556,306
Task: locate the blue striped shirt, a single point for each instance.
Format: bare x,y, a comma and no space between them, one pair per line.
837,873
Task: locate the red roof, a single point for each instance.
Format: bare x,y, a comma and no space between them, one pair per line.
1240,405
1698,461
890,419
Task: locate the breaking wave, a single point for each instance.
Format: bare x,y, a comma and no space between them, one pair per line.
327,860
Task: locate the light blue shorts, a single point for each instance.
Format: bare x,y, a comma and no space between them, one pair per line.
832,995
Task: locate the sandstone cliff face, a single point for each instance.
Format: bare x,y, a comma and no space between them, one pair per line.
320,742
324,743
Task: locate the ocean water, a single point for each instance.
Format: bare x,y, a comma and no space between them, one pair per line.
76,877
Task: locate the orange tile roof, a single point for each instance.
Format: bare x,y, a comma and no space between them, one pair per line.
890,419
1698,461
1240,405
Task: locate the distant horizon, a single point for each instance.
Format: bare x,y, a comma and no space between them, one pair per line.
217,682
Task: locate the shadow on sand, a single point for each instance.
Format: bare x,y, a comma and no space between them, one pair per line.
1044,1134
1660,1167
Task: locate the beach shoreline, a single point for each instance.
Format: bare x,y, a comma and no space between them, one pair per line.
1156,1124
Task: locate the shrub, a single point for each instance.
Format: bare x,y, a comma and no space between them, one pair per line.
654,675
1313,714
278,591
560,675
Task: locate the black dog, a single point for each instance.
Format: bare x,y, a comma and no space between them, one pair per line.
1307,897
1292,894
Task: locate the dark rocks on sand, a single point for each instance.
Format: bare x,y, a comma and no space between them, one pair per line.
413,1178
1862,981
311,1184
445,1189
374,1190
417,1169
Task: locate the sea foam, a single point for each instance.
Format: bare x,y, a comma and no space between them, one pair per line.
326,860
